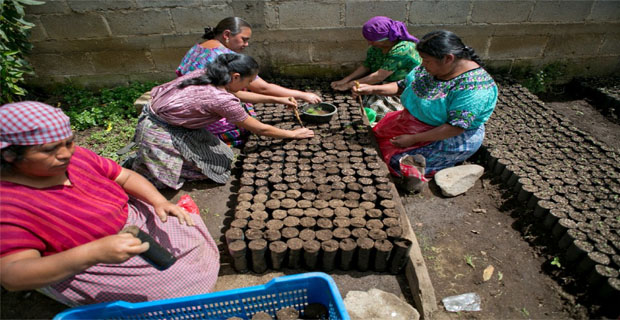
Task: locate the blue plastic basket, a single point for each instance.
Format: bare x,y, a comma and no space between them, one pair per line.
287,291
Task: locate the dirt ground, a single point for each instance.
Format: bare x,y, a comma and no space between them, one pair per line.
459,238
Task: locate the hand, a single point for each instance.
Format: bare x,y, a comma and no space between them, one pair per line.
302,133
343,86
165,208
117,248
310,97
290,102
362,89
338,83
404,140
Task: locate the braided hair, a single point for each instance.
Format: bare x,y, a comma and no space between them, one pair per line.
440,43
218,72
234,24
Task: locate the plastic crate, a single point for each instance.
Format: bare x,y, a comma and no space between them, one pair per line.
287,291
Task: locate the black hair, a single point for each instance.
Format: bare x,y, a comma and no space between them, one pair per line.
234,24
17,151
218,72
440,43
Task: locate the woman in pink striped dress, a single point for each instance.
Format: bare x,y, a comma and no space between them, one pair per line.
61,212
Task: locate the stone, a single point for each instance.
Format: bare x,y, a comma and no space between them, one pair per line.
457,180
378,304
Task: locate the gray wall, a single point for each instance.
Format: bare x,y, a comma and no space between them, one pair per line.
104,42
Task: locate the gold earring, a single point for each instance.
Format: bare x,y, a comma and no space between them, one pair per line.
226,41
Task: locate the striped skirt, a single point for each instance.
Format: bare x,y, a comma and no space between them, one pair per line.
135,280
444,153
170,155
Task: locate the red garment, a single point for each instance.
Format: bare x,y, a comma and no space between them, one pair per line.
395,124
59,218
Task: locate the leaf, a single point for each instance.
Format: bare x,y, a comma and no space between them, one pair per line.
487,273
500,276
469,259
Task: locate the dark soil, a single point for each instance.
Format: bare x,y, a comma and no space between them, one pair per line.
459,237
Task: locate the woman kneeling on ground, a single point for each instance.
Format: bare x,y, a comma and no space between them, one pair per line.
391,56
61,212
447,101
174,146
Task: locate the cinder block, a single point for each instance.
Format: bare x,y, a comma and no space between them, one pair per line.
193,20
334,52
287,52
522,47
50,6
271,16
593,66
100,80
81,45
500,66
523,29
439,12
140,42
153,76
99,5
251,11
167,59
611,44
60,64
561,11
479,43
358,12
139,22
605,11
37,33
182,40
169,3
309,14
122,62
307,35
501,11
591,28
568,45
74,26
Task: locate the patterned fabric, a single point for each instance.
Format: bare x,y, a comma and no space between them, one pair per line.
382,104
229,133
195,107
198,57
401,59
30,122
59,218
444,153
135,280
380,27
170,155
467,101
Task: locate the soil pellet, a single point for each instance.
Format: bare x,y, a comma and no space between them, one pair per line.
374,213
352,204
342,211
347,249
387,204
291,221
358,222
242,214
295,246
308,196
279,195
359,233
307,222
369,197
256,224
330,249
341,222
358,212
570,236
311,253
377,234
590,260
367,205
261,316
324,223
260,215
289,232
578,249
258,248
273,204
341,233
274,224
233,234
383,248
326,213
293,194
352,195
279,214
288,203
288,313
234,318
394,232
239,223
336,203
307,234
374,224
253,234
295,212
277,251
390,222
385,195
257,207
392,213
324,235
400,255
311,212
364,246
560,228
272,235
245,197
237,250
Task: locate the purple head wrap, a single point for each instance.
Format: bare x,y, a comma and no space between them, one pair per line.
379,27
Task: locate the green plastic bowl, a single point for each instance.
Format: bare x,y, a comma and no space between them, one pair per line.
371,114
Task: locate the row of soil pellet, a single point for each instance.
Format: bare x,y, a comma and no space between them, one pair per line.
566,178
323,203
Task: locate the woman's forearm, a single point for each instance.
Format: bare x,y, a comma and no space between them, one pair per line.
253,97
375,77
136,185
261,86
442,132
387,89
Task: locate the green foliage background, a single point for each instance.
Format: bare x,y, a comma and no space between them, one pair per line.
14,46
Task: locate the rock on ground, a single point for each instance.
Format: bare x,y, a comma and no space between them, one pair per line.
377,304
457,180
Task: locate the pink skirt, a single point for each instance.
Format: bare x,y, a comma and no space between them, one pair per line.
135,280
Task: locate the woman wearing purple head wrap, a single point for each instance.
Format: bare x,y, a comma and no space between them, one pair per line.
391,56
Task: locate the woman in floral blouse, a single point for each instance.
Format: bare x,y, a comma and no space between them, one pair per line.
391,56
447,101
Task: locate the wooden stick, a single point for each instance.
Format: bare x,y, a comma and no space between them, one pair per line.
359,97
296,112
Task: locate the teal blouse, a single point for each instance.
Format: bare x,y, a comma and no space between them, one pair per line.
466,101
401,59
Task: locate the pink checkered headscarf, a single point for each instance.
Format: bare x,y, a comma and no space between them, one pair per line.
31,123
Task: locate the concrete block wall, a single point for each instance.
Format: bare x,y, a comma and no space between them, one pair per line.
107,42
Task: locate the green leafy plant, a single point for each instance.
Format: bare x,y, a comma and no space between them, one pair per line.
469,259
542,80
556,262
14,46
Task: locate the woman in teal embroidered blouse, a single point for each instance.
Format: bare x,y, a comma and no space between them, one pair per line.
447,99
